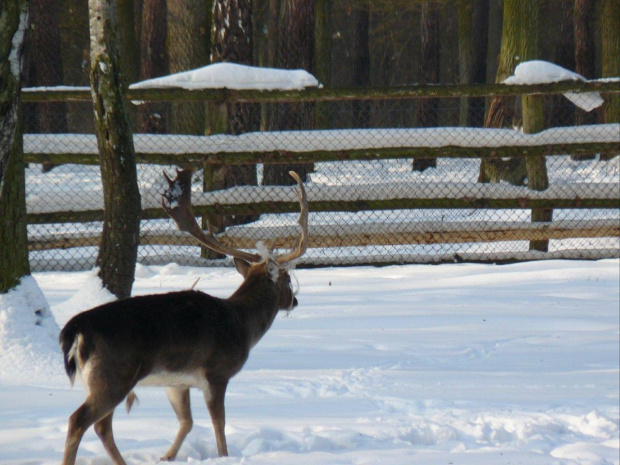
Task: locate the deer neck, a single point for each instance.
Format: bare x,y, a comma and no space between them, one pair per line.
257,302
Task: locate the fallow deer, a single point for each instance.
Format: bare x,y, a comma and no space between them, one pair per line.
178,340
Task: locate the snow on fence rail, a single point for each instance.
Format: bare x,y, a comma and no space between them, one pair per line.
350,195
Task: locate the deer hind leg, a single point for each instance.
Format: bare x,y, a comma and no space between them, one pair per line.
179,399
103,428
93,410
215,403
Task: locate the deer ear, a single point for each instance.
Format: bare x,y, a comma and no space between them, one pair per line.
242,266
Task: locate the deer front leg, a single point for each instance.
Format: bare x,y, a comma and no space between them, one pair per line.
179,399
215,403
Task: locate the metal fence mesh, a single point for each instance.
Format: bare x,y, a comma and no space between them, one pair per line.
373,223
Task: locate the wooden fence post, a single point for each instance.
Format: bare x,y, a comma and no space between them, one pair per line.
536,165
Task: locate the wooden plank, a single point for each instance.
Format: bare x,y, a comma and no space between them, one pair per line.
344,235
314,94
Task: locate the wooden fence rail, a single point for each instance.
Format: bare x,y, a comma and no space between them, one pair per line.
205,151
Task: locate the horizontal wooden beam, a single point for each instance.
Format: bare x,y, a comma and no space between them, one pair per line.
314,94
344,206
344,236
318,156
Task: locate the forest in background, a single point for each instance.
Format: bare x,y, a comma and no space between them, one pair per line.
342,42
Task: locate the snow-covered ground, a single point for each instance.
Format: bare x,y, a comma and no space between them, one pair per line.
451,364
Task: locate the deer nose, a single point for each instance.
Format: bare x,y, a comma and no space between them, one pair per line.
294,302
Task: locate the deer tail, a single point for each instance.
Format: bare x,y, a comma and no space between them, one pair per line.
131,398
68,343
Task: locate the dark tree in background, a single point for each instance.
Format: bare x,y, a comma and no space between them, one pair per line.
118,250
584,56
427,112
473,24
188,48
152,116
500,113
43,67
13,236
231,41
564,55
360,17
295,51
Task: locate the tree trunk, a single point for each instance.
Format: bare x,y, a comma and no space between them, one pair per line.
13,234
121,197
611,64
74,49
584,58
533,119
295,51
153,116
427,113
323,57
43,67
562,114
473,23
611,53
232,41
500,113
188,41
360,17
584,43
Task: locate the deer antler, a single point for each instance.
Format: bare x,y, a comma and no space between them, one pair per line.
303,222
178,197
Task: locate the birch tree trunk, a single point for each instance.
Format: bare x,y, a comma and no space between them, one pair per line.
121,198
13,235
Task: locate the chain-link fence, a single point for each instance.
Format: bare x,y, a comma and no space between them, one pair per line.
380,189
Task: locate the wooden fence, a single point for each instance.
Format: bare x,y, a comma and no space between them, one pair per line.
404,196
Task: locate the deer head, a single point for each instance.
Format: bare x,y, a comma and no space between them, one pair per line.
176,201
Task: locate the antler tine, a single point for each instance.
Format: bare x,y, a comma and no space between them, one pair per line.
302,246
179,208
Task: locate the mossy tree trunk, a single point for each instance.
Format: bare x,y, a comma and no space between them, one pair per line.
500,113
13,234
533,119
121,198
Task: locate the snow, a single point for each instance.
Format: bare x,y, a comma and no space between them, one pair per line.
332,140
233,76
543,72
465,364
